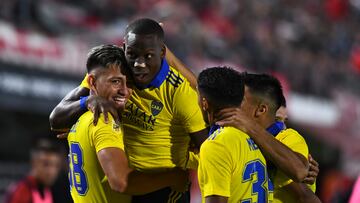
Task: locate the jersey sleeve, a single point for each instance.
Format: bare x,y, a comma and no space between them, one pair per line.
107,135
214,169
295,142
187,109
84,83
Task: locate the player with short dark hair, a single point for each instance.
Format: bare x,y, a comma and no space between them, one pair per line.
263,96
229,159
265,88
161,116
291,164
145,26
99,168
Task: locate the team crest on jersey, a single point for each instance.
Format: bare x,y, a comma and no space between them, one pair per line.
116,127
156,107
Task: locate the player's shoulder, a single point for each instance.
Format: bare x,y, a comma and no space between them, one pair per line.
88,117
290,134
175,79
223,140
227,135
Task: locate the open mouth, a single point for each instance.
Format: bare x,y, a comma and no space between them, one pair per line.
119,100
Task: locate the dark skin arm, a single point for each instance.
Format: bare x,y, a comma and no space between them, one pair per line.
66,113
126,180
216,199
302,193
199,137
178,65
294,165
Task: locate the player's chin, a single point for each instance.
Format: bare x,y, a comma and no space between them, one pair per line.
142,82
120,105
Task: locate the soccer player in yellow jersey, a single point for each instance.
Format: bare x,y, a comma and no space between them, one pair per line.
232,168
160,118
286,189
292,165
263,96
99,168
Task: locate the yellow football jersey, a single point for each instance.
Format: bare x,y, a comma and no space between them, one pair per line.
295,142
87,180
232,165
157,122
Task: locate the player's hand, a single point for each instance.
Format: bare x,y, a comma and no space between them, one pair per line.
99,105
234,117
313,171
181,180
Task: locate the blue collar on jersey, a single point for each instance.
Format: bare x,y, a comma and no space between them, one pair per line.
213,128
276,128
160,76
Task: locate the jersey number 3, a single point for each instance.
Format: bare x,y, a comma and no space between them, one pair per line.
77,175
258,187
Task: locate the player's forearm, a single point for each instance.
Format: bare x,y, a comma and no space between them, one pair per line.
140,183
65,114
199,137
311,199
178,65
280,155
302,193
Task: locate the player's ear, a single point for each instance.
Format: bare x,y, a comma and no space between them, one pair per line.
261,109
163,50
204,104
92,83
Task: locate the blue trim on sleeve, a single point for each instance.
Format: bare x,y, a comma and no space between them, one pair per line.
160,76
213,128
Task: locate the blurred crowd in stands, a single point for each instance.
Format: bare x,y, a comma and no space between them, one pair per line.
315,44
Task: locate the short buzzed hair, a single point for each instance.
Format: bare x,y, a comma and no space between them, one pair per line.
267,87
145,26
222,86
105,56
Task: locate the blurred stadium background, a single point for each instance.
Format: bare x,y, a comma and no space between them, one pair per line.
312,46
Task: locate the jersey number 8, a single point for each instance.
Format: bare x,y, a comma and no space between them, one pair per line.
77,175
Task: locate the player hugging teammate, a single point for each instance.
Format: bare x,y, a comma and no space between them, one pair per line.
136,113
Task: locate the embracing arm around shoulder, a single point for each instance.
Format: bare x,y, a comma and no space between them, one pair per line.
65,114
292,164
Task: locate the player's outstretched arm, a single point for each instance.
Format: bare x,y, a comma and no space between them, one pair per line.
178,65
65,114
126,180
294,165
302,193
